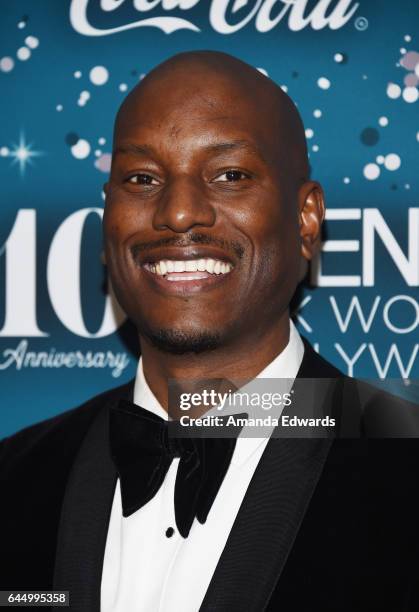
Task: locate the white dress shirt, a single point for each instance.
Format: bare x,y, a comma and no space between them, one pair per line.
145,570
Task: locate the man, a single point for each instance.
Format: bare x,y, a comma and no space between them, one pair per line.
210,219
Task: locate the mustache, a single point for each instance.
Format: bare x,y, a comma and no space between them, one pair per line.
187,241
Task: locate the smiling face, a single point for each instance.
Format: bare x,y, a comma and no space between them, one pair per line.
202,219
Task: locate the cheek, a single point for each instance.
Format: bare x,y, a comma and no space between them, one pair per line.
112,238
276,251
122,219
271,228
117,228
112,218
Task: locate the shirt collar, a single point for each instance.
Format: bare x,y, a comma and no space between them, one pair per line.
143,395
285,365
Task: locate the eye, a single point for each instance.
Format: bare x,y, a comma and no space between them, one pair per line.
142,179
231,176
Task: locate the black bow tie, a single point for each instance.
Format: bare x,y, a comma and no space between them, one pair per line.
142,451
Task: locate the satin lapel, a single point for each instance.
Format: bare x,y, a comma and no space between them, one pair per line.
85,518
272,511
266,525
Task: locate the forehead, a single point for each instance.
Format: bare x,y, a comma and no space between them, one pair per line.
196,111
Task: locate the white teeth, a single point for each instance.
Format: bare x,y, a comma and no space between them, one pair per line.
210,263
191,266
179,266
169,266
202,264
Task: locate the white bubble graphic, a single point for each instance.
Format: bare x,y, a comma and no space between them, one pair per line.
315,148
21,25
410,94
402,50
371,172
103,163
99,75
59,107
262,70
361,23
309,133
392,161
4,151
317,113
32,42
123,87
284,88
380,159
81,149
393,91
6,64
338,57
383,121
77,74
407,38
102,140
23,54
346,180
83,98
323,83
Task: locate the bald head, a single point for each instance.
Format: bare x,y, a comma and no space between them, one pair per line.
209,168
218,82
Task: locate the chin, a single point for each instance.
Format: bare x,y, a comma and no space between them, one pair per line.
181,341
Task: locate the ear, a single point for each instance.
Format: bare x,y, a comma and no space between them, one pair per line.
103,254
311,215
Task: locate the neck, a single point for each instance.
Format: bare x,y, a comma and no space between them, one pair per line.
242,359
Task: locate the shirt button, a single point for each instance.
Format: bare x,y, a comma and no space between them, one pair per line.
169,532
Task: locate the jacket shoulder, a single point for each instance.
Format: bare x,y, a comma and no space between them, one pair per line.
362,409
386,415
56,438
35,465
314,365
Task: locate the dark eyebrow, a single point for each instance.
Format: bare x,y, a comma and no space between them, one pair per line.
235,144
134,149
218,147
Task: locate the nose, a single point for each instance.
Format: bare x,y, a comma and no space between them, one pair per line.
182,206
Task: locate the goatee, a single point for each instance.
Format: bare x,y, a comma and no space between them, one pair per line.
178,342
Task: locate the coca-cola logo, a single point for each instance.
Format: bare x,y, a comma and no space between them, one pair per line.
225,16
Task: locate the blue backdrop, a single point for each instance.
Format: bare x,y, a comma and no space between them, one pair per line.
353,70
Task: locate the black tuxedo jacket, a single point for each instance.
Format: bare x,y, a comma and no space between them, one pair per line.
326,524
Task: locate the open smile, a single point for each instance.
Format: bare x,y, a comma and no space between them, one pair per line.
180,276
186,270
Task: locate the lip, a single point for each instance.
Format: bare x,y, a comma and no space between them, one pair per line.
186,287
183,253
